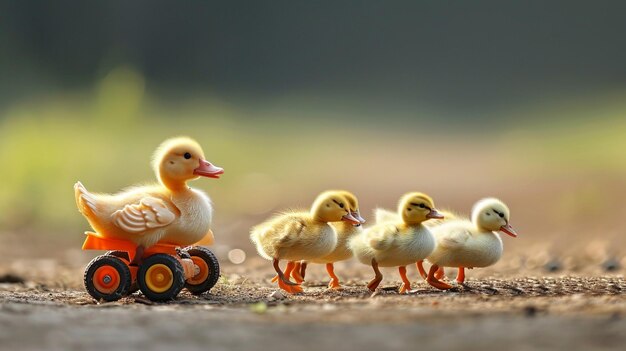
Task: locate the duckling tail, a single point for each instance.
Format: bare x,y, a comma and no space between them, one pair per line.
85,201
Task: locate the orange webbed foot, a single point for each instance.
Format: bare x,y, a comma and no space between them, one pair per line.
290,287
439,284
334,284
433,281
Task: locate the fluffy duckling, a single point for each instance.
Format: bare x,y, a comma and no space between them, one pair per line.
467,244
399,243
297,236
345,231
168,212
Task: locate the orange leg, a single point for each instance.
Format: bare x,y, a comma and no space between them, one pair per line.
303,269
283,279
434,281
295,274
373,284
334,281
460,277
406,284
275,279
420,268
440,273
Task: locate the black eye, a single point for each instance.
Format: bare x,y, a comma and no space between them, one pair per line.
501,215
187,155
422,206
341,205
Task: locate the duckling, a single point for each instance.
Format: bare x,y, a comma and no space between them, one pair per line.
468,244
345,231
383,215
399,243
296,236
168,212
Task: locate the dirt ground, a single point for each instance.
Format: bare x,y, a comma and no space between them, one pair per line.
244,312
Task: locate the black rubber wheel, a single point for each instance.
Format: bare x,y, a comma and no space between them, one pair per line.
209,278
120,254
161,277
107,278
124,255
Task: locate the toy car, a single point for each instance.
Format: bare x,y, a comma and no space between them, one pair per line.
163,272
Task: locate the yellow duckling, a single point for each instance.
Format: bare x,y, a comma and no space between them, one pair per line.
345,231
383,215
168,212
467,244
399,243
297,236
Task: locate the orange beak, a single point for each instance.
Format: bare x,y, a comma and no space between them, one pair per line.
508,229
350,218
433,214
357,215
206,169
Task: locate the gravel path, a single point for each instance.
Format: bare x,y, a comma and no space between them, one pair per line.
569,313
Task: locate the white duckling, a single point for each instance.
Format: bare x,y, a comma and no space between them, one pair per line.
464,244
298,236
345,231
168,212
399,243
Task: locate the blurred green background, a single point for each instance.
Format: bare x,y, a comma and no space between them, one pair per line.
524,101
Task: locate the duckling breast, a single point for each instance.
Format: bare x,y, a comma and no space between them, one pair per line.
194,221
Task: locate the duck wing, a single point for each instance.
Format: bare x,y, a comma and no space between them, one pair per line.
454,238
148,213
382,236
290,231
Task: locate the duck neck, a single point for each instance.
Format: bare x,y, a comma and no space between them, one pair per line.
413,225
345,226
175,186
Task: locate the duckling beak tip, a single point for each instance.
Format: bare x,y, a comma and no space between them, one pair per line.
358,217
207,169
433,214
349,218
508,229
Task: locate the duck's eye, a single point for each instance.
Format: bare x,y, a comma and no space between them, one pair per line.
187,155
340,204
422,206
501,215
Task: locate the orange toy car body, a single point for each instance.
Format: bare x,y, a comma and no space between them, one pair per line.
164,271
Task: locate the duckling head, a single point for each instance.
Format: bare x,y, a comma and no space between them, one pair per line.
332,206
179,160
493,215
416,208
354,206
